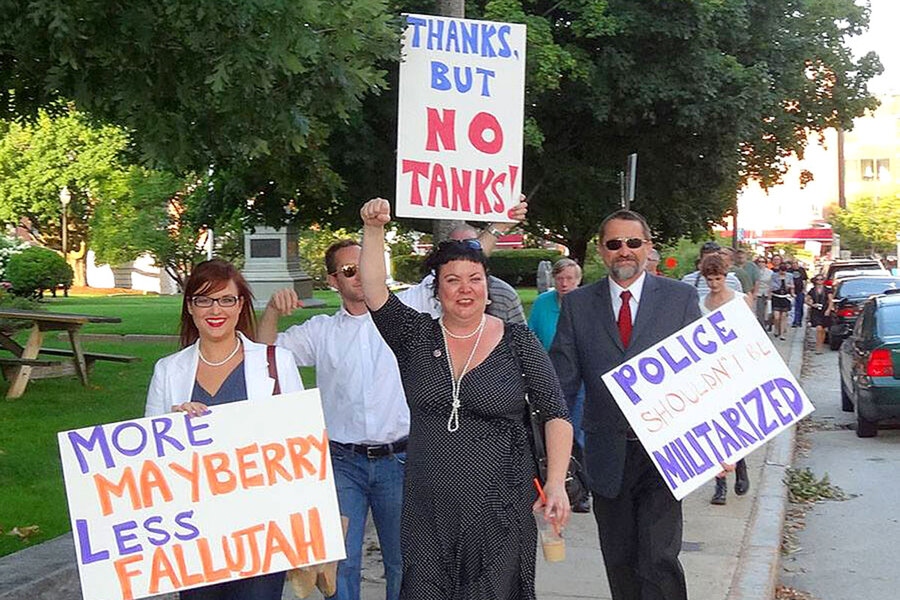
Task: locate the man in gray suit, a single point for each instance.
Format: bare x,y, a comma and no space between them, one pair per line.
600,326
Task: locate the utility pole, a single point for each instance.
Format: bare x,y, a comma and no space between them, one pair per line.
441,228
842,196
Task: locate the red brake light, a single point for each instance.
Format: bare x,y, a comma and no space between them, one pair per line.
846,312
880,364
828,282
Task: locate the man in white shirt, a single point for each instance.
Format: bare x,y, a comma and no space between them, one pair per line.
698,281
365,411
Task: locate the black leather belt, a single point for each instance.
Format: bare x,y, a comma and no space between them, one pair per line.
375,451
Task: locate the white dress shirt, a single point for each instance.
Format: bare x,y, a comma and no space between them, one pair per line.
420,297
357,375
615,293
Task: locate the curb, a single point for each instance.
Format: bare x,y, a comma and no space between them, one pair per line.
759,561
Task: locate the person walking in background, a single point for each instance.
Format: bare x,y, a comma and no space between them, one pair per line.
468,531
782,287
218,364
729,256
365,412
600,326
800,279
714,269
763,291
542,321
653,262
750,271
821,306
695,278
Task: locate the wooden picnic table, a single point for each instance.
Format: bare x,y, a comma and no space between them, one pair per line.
25,363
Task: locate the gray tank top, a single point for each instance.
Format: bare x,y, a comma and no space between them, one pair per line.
234,388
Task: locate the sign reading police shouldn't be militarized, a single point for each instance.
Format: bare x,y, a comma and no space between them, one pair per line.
460,119
168,503
709,394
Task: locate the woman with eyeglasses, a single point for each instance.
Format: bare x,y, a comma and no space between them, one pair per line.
467,531
820,305
219,363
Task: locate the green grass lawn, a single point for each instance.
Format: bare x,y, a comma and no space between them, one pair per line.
31,484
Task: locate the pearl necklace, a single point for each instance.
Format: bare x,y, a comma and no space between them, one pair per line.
453,421
464,336
237,347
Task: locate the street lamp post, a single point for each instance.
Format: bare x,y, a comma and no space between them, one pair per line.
64,197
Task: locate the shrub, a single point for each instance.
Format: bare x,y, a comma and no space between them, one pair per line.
37,269
519,267
407,267
7,300
8,247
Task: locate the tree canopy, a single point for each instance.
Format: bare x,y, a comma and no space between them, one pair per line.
248,90
868,225
709,93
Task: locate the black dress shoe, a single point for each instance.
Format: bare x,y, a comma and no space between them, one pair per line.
584,506
742,479
721,492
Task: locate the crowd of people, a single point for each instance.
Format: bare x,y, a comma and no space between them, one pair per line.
426,396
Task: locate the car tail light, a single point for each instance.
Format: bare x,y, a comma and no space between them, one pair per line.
846,312
880,364
828,282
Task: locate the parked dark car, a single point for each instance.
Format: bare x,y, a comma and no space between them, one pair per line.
869,363
851,264
849,296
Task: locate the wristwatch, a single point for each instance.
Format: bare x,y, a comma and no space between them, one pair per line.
493,230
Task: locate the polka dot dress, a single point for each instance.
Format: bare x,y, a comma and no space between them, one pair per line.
468,532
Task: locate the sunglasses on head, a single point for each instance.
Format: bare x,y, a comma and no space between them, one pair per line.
471,243
616,243
349,270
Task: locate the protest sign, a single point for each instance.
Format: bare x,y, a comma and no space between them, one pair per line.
460,119
709,394
168,503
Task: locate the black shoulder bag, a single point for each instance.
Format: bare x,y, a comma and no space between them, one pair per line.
576,485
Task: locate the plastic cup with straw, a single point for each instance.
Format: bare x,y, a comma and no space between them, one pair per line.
552,542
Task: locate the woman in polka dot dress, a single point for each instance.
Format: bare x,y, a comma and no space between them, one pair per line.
468,532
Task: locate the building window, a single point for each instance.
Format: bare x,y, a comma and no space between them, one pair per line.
867,169
883,167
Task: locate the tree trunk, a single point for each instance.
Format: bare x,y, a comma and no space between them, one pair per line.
577,249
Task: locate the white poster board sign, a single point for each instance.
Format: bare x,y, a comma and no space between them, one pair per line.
709,394
164,504
460,119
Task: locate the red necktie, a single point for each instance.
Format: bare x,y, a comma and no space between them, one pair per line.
625,318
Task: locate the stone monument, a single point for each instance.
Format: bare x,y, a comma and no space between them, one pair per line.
272,262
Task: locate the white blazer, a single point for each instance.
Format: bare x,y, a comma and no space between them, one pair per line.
174,376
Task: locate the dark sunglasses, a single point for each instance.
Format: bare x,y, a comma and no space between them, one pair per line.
207,302
616,243
471,243
349,270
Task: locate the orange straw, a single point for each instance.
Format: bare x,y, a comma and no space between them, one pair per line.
540,490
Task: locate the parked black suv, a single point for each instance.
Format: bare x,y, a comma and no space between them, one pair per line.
849,296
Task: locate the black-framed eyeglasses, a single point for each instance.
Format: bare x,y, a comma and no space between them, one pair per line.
349,270
207,302
616,243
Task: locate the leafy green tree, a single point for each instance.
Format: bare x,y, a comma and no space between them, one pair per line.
250,90
36,269
868,225
709,93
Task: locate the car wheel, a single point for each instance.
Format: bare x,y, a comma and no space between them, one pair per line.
865,428
846,402
835,342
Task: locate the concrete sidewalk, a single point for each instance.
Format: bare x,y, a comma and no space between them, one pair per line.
730,552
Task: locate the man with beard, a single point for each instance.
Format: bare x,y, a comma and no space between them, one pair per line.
600,326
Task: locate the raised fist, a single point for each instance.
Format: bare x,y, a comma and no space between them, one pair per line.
376,212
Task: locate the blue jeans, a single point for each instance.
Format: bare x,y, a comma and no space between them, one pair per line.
798,309
576,412
364,483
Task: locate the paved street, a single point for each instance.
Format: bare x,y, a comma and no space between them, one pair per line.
848,550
